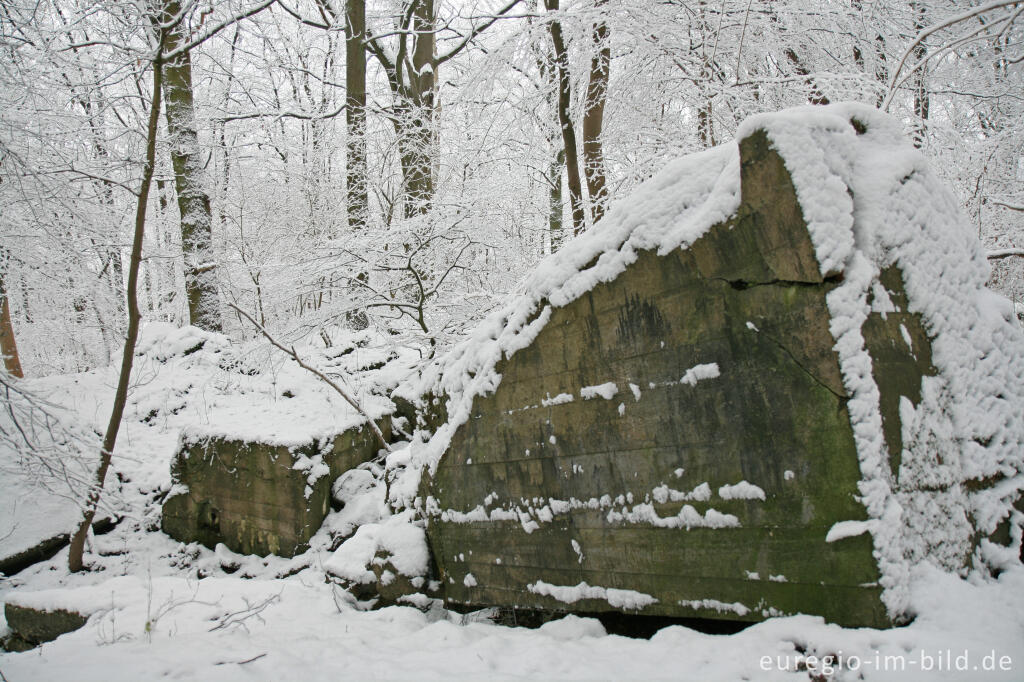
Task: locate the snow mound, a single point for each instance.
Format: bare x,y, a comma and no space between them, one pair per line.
163,341
572,627
210,388
394,541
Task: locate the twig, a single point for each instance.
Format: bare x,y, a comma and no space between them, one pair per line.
955,19
314,370
1004,253
248,660
743,32
1012,207
238,618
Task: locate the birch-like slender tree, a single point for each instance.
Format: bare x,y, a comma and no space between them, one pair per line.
165,23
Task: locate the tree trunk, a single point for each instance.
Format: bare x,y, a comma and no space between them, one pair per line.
193,202
593,118
572,163
881,71
77,547
412,76
167,271
356,185
921,99
415,144
705,107
8,347
415,120
113,267
555,227
815,96
556,161
224,180
881,68
705,122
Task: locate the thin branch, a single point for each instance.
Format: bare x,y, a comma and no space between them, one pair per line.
301,19
237,619
195,42
743,32
87,176
295,356
282,114
474,32
935,28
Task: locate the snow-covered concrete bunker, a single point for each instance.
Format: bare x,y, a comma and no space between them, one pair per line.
770,382
259,498
254,470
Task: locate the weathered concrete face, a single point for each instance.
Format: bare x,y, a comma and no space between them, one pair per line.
748,297
249,496
32,627
900,355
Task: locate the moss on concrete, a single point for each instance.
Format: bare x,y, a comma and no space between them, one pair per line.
35,626
749,297
901,354
248,495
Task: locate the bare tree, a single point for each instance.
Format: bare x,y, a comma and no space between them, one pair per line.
193,201
77,547
412,72
8,346
593,115
167,48
356,189
572,163
548,70
921,98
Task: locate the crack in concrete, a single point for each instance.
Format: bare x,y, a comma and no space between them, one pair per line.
800,365
742,285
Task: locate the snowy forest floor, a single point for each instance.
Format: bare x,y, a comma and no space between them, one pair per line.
280,619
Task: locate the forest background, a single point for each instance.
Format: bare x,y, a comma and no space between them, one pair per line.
401,164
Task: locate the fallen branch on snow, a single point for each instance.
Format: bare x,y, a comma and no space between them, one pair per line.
1005,253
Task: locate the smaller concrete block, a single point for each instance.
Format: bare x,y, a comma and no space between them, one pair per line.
37,626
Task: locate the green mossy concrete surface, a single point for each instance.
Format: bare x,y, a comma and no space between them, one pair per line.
901,354
35,626
248,495
749,297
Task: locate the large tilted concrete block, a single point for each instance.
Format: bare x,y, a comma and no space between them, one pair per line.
678,441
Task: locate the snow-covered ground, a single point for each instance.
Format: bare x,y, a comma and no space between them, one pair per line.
226,628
